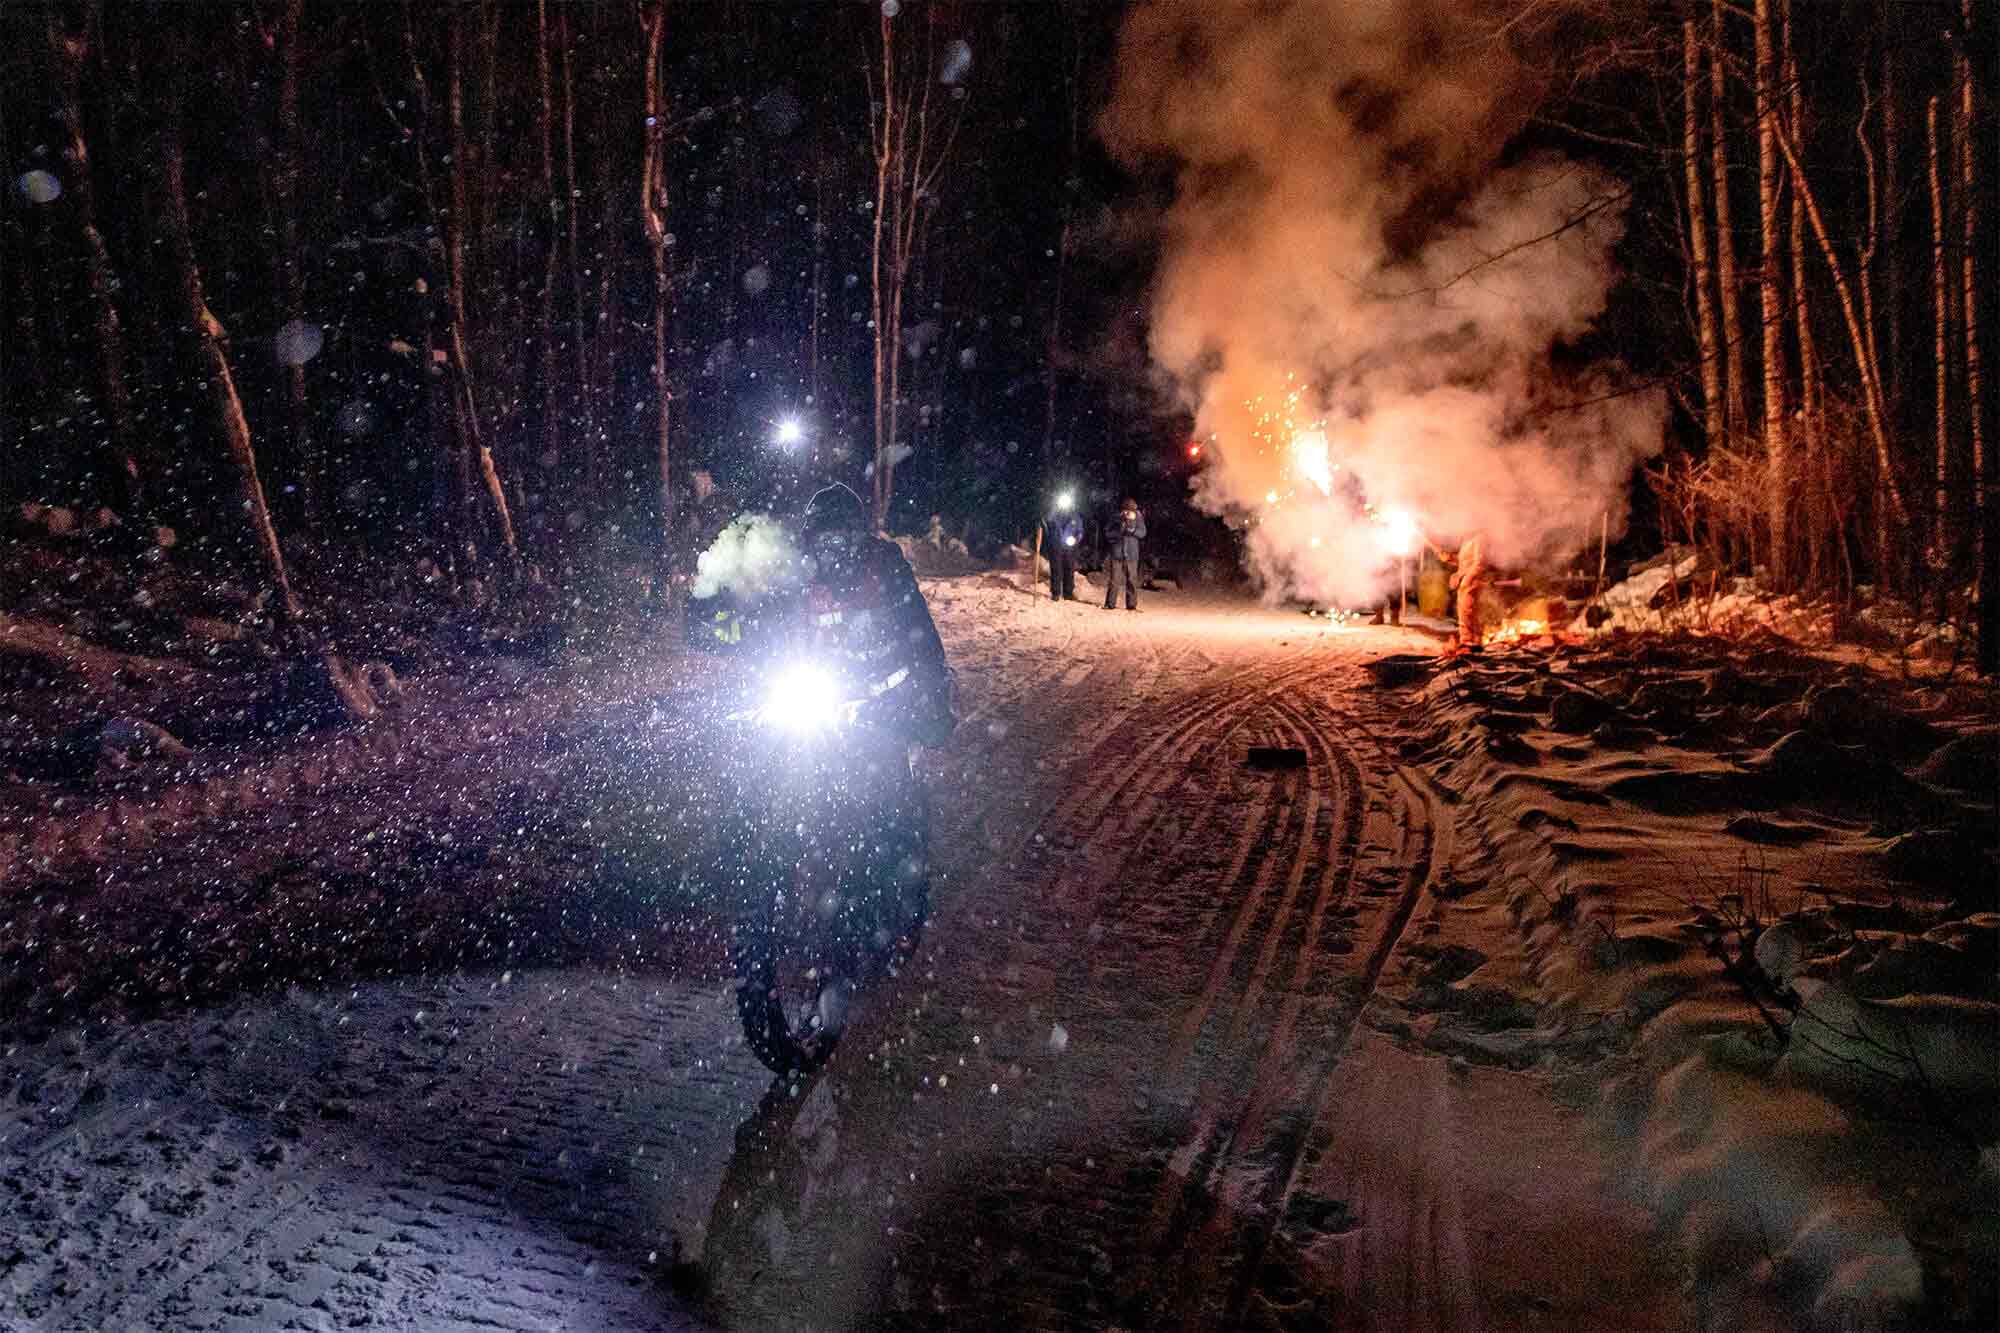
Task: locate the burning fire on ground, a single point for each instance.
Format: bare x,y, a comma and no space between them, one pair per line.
1518,631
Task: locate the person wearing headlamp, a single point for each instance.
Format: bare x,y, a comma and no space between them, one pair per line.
866,621
1064,530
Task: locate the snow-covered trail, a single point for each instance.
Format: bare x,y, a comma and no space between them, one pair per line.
1128,1083
1132,1088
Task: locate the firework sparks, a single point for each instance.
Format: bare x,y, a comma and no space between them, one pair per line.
1400,532
1312,458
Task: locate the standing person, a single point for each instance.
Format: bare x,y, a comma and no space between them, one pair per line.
1064,529
1127,531
1470,578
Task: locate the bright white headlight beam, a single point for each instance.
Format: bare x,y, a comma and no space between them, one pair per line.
804,697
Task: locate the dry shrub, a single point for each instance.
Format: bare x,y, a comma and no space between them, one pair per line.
1719,503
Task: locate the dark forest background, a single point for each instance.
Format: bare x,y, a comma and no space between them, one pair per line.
434,244
323,158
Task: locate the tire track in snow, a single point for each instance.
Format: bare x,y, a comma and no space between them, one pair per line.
1436,1294
1151,758
1280,961
1238,1070
1114,827
1133,889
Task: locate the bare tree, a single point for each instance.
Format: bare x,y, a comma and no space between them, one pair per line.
1975,386
911,150
1864,277
215,360
1941,348
125,472
884,124
552,244
1777,449
452,482
816,310
653,207
1713,409
1731,288
466,401
1871,377
1891,196
1811,418
291,268
582,420
1054,356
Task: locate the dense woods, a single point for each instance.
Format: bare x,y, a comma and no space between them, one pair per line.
484,282
1859,133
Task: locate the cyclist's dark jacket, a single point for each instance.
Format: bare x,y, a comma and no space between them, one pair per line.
863,613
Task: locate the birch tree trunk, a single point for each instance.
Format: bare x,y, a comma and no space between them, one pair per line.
466,401
1777,448
1864,274
452,470
583,419
484,220
215,362
1892,255
885,125
552,249
1809,446
1871,375
609,257
1936,551
1066,239
912,147
653,207
1969,294
1731,288
125,472
1713,409
291,268
817,306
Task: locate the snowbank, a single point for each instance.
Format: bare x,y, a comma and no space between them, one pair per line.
1742,898
1677,592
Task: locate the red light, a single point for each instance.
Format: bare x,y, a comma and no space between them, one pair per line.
1194,449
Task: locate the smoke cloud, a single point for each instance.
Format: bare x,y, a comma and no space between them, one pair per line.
750,557
1361,294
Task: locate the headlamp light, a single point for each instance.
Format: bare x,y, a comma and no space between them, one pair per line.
803,698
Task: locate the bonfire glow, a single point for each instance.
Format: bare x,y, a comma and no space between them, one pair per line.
1514,631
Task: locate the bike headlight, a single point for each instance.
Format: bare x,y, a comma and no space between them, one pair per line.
802,698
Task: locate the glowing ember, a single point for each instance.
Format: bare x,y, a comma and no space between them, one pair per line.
1515,631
